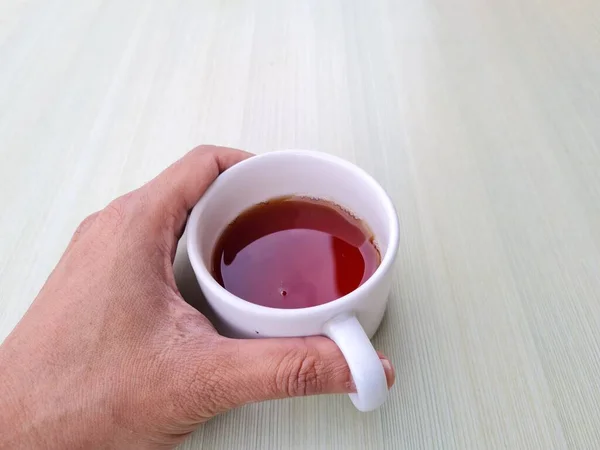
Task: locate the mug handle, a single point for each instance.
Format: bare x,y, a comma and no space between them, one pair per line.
365,366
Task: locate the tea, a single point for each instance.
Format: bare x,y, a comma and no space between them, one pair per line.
294,252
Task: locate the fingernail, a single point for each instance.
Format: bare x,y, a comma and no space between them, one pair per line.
390,375
387,366
389,370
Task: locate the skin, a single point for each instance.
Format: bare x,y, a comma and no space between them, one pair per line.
109,355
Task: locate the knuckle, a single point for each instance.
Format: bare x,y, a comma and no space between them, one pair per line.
203,148
85,224
300,373
160,209
116,212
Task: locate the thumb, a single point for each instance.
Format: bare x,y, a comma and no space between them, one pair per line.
290,367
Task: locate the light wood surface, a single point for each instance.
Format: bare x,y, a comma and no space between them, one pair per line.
480,118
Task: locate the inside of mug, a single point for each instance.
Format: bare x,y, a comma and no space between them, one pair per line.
287,173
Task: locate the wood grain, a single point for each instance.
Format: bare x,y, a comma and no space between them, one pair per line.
480,118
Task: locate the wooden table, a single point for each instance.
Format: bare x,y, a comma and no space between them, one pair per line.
480,118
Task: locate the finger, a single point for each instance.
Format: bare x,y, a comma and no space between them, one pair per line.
279,368
175,191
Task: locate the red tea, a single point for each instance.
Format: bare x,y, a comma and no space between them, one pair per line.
294,252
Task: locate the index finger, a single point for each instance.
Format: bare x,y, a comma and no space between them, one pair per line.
179,187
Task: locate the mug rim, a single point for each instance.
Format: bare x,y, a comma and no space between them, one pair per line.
203,272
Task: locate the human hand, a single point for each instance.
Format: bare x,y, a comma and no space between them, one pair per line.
109,355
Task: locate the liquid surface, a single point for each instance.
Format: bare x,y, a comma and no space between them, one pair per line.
294,252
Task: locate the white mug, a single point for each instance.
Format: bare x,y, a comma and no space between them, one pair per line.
349,321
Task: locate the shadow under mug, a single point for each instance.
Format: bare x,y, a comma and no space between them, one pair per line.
349,321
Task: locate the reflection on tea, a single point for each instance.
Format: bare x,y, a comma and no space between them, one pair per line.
294,252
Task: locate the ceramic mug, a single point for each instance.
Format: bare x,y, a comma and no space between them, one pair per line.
349,321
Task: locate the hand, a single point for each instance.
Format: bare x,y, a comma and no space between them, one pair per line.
110,355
